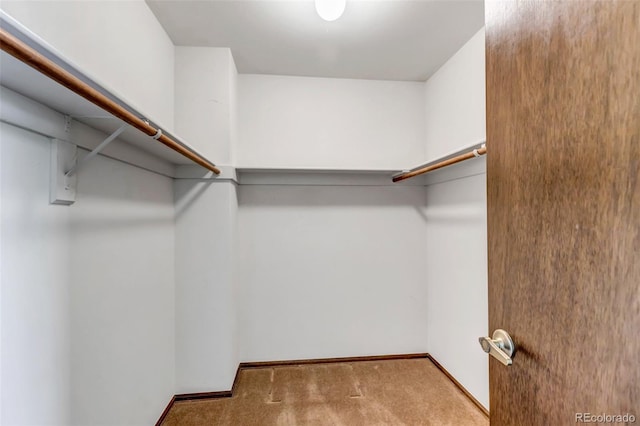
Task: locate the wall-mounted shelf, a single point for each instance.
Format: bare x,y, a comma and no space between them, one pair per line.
244,175
18,74
313,176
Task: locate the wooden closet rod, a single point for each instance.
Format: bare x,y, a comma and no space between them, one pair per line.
462,157
29,56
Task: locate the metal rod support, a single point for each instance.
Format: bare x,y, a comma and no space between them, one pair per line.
96,150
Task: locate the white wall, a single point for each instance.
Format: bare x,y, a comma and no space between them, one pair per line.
332,123
206,320
233,110
455,101
87,292
456,221
331,271
122,295
35,287
206,346
119,43
122,285
205,94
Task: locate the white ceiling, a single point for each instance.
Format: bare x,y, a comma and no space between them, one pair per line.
374,39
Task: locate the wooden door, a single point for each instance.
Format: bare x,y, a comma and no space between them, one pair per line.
563,135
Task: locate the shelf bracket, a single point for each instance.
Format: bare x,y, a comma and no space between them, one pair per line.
95,151
67,123
65,164
62,189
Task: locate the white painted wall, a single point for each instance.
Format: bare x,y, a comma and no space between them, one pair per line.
332,123
206,325
233,111
122,295
456,254
35,287
87,292
455,101
206,346
331,271
205,94
119,43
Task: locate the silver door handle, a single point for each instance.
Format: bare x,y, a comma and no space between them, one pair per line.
500,346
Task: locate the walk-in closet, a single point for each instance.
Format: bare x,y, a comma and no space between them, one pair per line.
318,212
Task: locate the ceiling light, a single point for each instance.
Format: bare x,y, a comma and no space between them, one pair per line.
330,10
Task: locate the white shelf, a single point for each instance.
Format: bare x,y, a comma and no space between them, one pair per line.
313,176
21,78
298,176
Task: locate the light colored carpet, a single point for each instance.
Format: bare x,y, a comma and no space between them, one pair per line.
367,393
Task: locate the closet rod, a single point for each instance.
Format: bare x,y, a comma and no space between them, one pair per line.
462,157
31,57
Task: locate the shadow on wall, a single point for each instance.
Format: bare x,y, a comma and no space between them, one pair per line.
184,199
462,201
105,179
101,224
314,196
113,195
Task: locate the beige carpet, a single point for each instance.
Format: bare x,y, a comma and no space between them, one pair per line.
367,393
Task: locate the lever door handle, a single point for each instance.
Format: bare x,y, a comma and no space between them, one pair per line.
500,346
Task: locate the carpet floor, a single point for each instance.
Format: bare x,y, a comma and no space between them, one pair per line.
367,393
